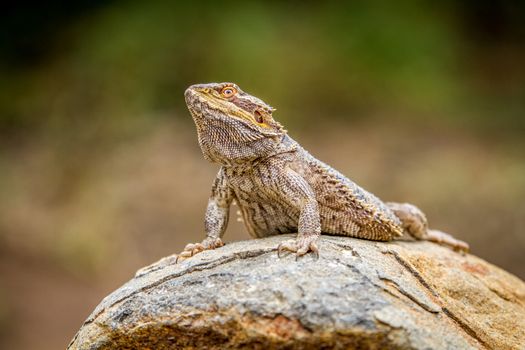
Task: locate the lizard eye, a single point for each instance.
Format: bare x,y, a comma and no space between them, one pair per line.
228,91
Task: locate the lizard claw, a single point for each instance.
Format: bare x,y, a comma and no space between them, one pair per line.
288,245
300,246
195,248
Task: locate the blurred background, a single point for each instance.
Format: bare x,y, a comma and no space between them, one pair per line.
101,173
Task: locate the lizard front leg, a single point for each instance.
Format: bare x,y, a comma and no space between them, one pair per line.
296,191
215,220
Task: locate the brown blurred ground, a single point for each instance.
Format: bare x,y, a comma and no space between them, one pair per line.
100,171
75,235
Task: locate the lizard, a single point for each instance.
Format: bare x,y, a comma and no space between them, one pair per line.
280,187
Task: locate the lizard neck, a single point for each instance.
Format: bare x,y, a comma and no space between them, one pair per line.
285,145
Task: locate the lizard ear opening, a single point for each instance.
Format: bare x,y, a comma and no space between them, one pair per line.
263,118
258,116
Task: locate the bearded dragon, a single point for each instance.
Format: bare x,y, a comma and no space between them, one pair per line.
281,188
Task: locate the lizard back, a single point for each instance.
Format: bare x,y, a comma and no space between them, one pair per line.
344,207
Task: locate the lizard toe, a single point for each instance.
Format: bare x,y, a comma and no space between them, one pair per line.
197,248
303,250
211,243
307,244
315,250
194,248
301,246
180,258
462,246
289,246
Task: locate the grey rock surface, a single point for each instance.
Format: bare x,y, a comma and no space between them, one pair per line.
358,294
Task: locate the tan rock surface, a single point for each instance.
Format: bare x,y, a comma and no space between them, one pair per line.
359,294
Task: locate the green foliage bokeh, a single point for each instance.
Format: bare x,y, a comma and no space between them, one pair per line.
311,60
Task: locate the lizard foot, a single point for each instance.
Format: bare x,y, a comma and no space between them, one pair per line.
300,246
195,248
446,239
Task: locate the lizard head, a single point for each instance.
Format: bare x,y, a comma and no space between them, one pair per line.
232,126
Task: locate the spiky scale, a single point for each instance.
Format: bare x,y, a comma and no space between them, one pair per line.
278,186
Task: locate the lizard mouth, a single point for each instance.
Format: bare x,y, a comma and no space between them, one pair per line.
190,96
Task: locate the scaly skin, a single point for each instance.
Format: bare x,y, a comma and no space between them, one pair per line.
279,186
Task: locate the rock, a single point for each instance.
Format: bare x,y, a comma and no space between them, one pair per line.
359,294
